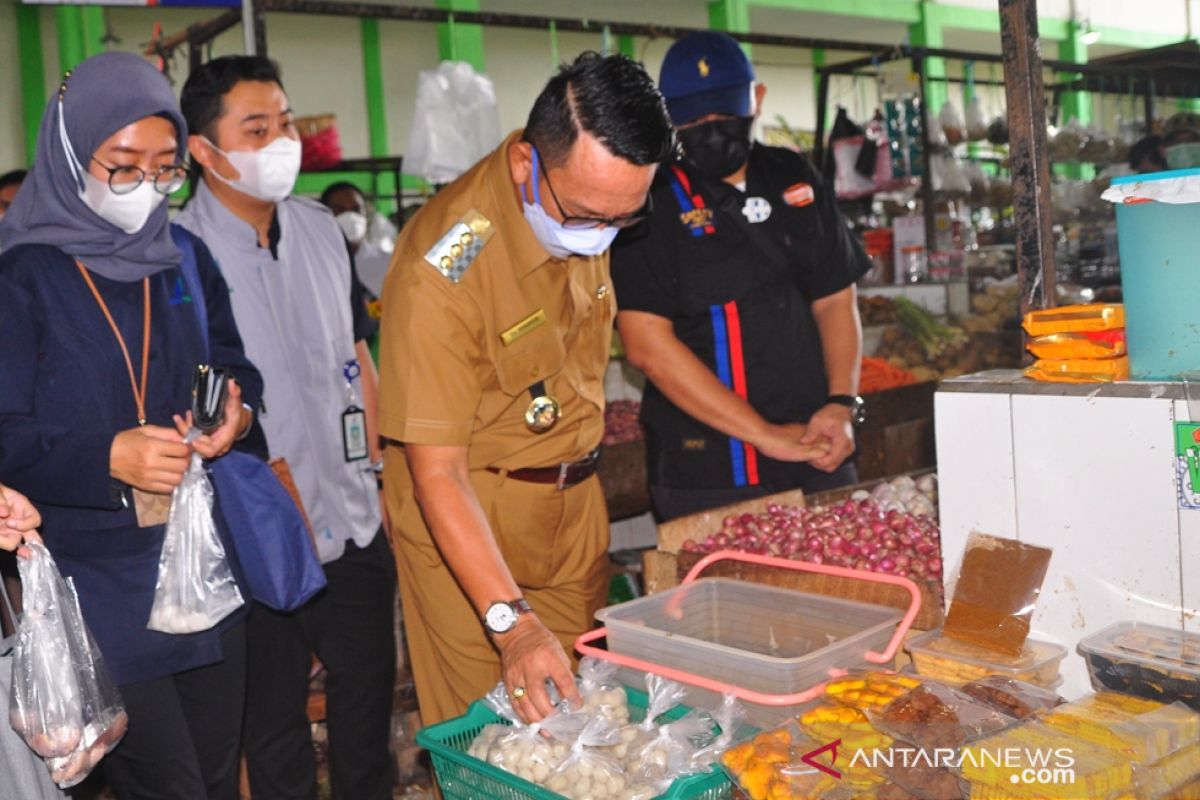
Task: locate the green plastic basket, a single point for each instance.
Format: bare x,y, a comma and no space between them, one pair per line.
462,777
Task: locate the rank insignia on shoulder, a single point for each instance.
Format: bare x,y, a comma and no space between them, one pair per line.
459,246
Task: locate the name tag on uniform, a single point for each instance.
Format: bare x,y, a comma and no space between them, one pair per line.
799,194
354,434
531,323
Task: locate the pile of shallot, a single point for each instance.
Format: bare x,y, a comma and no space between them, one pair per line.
891,529
621,421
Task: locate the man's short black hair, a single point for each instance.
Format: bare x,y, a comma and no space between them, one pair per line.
13,177
614,99
1149,147
202,99
340,186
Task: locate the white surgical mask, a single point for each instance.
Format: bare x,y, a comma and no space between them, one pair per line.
558,241
268,174
353,225
1185,155
128,212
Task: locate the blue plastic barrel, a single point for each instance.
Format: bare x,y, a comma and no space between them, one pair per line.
1160,280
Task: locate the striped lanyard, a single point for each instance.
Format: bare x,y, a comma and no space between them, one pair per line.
689,201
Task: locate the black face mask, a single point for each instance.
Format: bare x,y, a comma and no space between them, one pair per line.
718,148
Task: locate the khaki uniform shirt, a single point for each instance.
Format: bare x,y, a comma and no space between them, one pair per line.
458,358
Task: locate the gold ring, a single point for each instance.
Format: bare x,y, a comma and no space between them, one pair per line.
518,692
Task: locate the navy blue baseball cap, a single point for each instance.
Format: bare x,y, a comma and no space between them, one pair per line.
706,73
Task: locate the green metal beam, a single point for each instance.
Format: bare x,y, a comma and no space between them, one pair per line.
890,10
459,42
961,18
729,15
927,32
68,22
1077,105
33,73
818,61
92,29
372,54
626,45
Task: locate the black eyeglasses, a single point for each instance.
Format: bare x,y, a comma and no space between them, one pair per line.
123,180
581,223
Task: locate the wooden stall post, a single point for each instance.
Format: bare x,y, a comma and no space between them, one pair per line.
1025,93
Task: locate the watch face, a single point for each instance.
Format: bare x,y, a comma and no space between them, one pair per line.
500,618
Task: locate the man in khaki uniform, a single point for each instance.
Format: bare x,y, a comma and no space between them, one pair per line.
498,314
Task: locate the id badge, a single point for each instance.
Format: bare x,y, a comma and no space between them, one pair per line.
354,434
151,508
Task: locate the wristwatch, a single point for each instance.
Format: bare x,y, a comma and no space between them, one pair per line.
501,617
853,402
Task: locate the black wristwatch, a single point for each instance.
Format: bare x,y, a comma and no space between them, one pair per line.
501,617
853,402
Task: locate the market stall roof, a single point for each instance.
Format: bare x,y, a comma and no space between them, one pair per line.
1174,71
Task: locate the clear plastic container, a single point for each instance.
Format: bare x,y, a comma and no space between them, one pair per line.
1145,660
764,638
954,662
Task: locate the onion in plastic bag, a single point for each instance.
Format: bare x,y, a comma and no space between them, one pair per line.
196,588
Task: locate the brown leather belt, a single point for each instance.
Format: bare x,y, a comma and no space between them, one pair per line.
564,476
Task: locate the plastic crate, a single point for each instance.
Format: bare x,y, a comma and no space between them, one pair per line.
462,777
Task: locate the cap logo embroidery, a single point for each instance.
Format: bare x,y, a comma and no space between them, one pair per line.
702,67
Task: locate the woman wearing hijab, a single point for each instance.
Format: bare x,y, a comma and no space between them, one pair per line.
101,341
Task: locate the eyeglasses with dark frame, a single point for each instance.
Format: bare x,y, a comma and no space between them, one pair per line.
167,180
580,223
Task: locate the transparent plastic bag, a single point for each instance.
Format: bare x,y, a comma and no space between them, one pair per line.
601,692
932,716
952,123
729,718
661,696
64,702
670,754
589,771
455,123
531,752
196,588
977,121
45,708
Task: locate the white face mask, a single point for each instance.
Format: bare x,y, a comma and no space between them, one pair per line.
1185,155
353,225
268,174
558,241
128,212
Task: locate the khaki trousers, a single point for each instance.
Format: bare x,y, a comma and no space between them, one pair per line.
554,542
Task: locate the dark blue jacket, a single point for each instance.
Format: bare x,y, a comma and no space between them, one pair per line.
64,396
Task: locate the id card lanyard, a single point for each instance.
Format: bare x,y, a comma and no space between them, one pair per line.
354,419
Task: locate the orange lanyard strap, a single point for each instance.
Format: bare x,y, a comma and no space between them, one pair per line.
139,396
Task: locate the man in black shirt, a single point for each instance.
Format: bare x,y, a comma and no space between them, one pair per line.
737,299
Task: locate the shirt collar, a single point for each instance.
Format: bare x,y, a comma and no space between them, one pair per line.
233,228
525,250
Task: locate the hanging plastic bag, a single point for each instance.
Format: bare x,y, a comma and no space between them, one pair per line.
64,703
196,588
456,122
977,122
45,707
952,123
661,696
104,718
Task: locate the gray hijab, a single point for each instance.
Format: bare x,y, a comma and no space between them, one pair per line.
102,95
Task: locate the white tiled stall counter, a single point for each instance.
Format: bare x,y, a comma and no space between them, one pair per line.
1085,469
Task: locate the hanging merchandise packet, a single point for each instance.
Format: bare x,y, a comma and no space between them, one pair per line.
997,592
